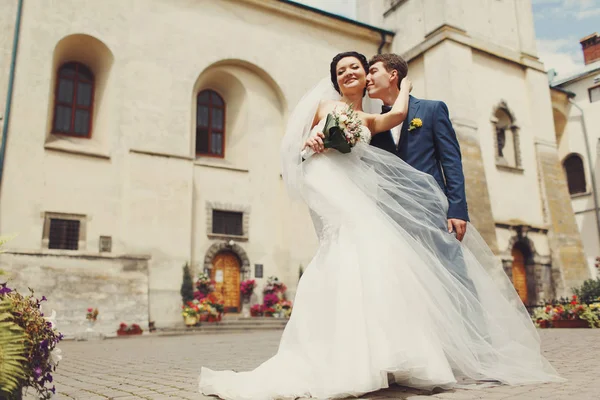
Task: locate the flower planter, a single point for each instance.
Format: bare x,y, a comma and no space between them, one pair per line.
570,323
190,320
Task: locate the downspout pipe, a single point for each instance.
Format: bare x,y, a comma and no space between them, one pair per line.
11,82
590,165
383,37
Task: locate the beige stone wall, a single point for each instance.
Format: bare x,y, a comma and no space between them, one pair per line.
118,286
500,26
572,140
7,29
569,266
138,180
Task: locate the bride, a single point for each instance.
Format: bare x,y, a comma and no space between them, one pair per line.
382,297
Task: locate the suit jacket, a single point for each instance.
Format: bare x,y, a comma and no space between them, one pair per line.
433,149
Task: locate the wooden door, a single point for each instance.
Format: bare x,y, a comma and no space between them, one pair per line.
226,273
519,274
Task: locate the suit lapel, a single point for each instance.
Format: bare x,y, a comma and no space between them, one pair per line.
413,107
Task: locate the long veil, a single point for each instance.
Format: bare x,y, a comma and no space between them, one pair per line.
483,327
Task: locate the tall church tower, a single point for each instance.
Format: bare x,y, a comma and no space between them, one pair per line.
480,57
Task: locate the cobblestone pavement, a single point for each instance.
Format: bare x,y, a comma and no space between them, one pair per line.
167,367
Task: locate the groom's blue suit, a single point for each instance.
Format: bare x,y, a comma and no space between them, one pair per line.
432,148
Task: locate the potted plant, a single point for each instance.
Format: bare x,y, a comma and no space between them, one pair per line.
246,290
270,299
268,311
190,312
256,310
212,308
286,307
125,330
91,317
572,314
29,354
187,285
204,286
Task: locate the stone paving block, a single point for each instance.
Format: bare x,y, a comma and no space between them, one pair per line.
139,368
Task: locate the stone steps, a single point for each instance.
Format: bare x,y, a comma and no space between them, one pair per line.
229,324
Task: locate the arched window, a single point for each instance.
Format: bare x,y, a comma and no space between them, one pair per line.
74,100
573,165
508,152
210,124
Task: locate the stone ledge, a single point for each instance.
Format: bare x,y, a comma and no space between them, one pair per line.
209,164
457,35
159,154
508,168
578,195
78,254
88,150
227,237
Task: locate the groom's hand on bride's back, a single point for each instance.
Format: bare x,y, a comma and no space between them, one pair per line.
315,142
459,226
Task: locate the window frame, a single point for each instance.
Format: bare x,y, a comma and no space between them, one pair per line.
241,222
81,242
210,106
597,87
73,104
566,171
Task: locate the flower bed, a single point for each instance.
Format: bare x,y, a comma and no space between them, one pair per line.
28,342
572,314
126,330
275,303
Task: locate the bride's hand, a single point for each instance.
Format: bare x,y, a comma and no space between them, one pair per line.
406,84
315,142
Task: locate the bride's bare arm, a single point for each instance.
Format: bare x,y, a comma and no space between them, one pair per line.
315,142
381,123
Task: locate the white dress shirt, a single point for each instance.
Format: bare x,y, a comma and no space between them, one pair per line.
396,133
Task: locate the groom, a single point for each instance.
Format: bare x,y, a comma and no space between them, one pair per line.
425,140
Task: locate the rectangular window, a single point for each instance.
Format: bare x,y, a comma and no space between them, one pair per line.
63,234
64,231
594,94
228,223
258,270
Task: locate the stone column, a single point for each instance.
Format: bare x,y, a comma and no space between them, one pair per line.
448,76
569,267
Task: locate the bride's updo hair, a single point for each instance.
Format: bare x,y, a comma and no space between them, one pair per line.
336,60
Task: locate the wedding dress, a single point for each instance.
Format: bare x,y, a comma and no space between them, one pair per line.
389,290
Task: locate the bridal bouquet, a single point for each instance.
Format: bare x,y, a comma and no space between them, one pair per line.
342,131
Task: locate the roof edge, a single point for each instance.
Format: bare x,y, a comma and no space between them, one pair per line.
339,17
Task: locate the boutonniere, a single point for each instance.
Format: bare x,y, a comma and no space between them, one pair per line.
415,123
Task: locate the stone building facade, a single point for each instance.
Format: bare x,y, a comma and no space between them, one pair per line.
576,108
144,135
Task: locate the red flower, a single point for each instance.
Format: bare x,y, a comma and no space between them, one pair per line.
90,309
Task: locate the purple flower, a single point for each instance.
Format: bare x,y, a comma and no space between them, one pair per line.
37,372
4,290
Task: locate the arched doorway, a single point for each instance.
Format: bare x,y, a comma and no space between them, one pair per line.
225,272
519,273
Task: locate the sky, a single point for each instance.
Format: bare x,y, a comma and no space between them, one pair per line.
559,25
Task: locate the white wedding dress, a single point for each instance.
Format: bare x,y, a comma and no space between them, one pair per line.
389,290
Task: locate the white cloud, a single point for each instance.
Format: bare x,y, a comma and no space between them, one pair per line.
578,9
583,14
561,55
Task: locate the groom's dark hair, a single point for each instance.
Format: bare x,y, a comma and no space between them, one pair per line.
392,61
